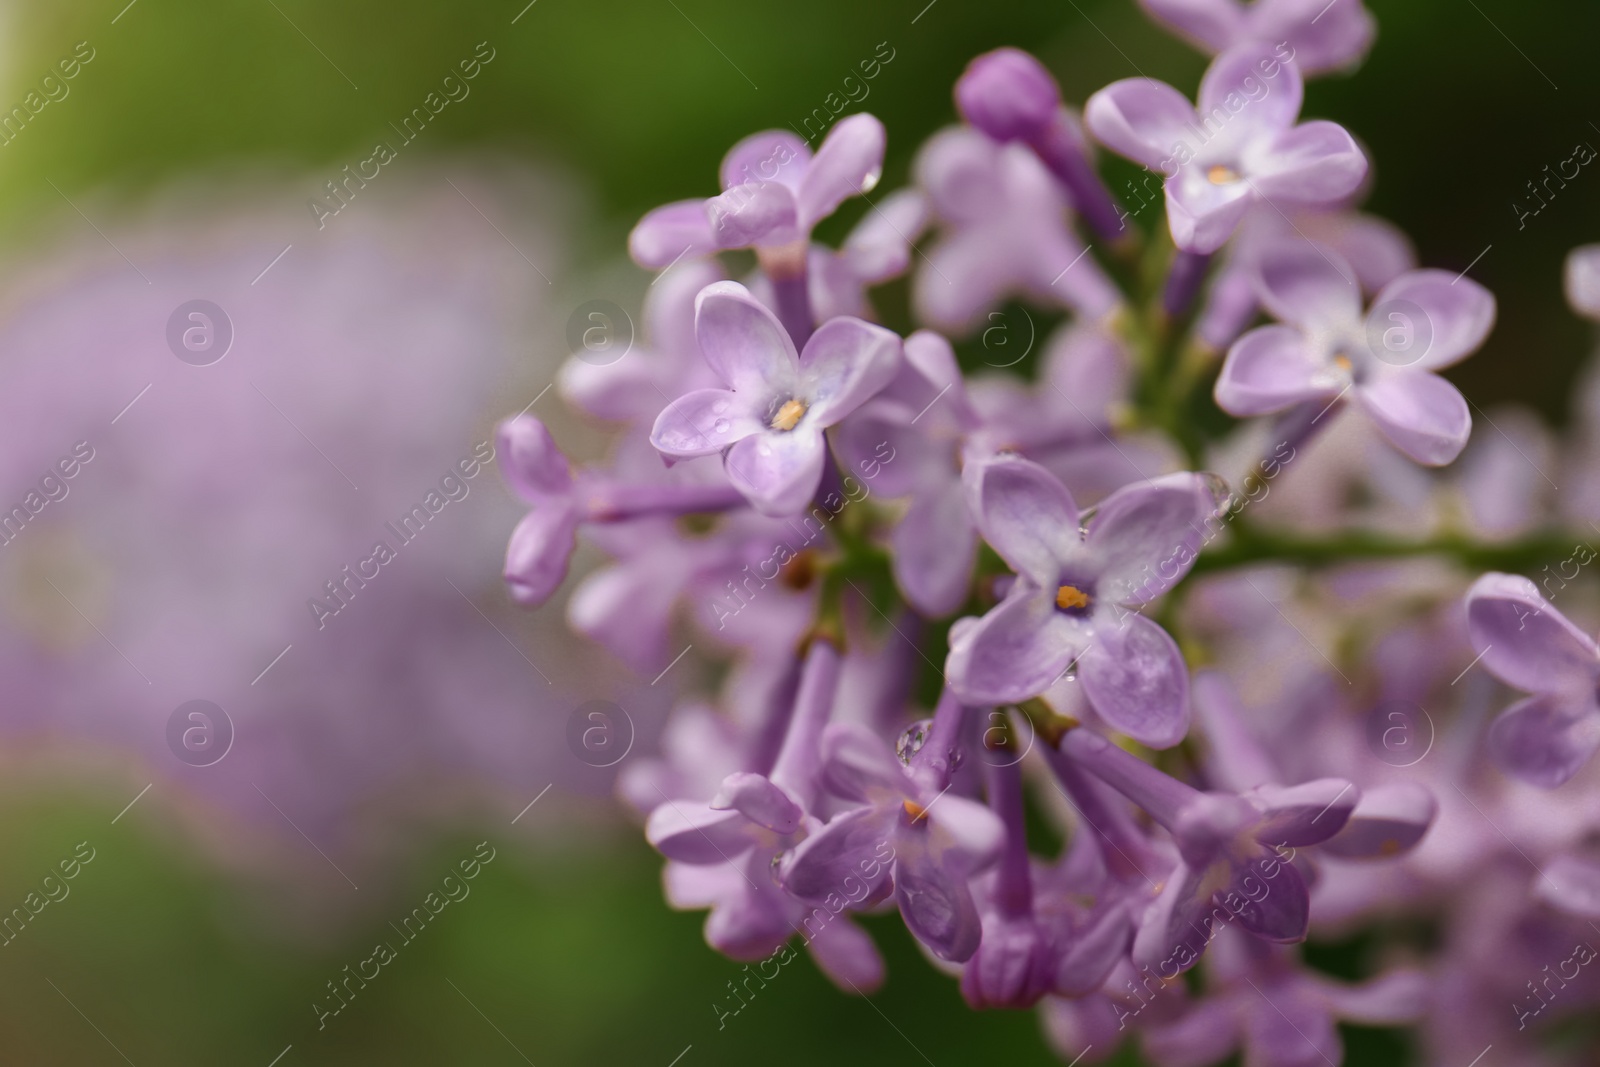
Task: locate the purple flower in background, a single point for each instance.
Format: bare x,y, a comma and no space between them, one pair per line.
1237,848
630,387
1077,596
1262,999
774,192
769,420
1241,147
1582,279
1421,322
1527,642
1006,234
1322,35
923,419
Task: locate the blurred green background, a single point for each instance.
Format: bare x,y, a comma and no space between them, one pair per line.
565,953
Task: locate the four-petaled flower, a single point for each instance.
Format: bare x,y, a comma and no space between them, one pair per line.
1242,146
1421,322
1081,580
770,419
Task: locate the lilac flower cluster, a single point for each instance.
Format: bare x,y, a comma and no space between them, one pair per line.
1253,714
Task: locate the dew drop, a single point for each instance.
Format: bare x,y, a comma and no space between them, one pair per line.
911,740
721,426
1217,487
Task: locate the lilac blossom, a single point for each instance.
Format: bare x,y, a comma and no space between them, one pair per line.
1527,642
1421,322
1322,36
1080,585
769,417
1242,146
1005,234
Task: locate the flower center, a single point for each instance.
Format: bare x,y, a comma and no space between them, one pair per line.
1071,598
915,810
1221,175
788,416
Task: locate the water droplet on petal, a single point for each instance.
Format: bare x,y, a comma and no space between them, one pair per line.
912,739
721,426
719,408
1217,488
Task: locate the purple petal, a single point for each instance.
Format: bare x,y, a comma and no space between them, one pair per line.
757,799
671,233
697,833
931,357
846,954
1395,998
966,835
1459,313
1571,883
852,848
1524,640
1015,651
845,363
876,446
1092,952
1259,103
755,213
539,551
857,765
704,422
1211,25
1292,1028
1324,36
1146,537
1282,914
1142,119
627,609
1176,927
621,391
1202,214
879,248
934,546
1390,819
1420,413
1304,814
1269,369
935,901
531,462
1207,1032
1026,515
742,341
1137,681
1308,285
778,472
768,156
848,163
1317,162
1544,740
1582,280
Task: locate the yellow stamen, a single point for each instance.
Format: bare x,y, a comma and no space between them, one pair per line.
1343,363
788,416
1070,596
1390,847
1220,175
915,810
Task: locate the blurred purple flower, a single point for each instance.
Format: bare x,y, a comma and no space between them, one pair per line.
1241,147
